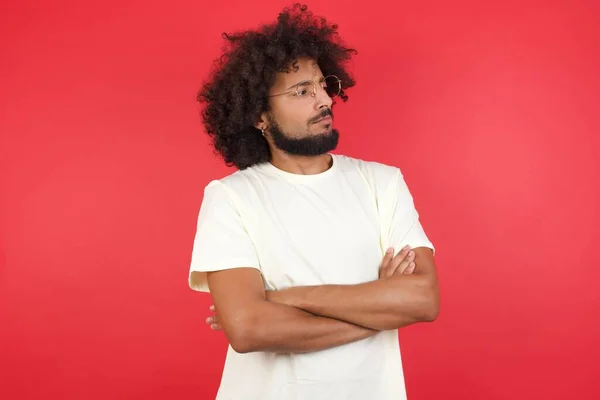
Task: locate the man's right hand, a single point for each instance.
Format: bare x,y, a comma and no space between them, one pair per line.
402,263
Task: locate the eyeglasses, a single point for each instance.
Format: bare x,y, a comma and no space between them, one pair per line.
307,91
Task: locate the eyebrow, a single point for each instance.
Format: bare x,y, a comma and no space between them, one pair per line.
305,82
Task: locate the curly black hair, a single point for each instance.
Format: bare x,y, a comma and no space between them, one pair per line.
236,94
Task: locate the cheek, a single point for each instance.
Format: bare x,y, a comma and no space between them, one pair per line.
291,117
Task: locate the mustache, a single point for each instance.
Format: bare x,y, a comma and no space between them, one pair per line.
325,113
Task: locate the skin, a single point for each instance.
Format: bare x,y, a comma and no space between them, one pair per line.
312,318
403,295
294,117
389,303
253,321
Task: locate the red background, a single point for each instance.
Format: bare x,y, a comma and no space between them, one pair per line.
489,108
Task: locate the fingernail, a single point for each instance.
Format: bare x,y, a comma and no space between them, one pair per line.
390,250
406,247
208,320
213,326
412,264
411,253
212,308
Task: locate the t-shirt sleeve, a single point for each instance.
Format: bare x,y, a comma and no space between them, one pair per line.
404,225
221,241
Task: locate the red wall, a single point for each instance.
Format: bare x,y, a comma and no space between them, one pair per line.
491,109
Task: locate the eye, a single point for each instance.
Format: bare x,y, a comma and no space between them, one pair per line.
304,89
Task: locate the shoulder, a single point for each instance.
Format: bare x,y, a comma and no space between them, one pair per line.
376,173
367,166
238,184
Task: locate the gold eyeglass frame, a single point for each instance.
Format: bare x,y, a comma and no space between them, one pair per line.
314,92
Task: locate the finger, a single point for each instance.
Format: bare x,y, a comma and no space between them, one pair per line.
406,263
212,318
402,254
398,260
410,269
389,254
392,266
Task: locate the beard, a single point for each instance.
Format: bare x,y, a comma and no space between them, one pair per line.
309,145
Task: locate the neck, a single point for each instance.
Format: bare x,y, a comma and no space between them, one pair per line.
301,165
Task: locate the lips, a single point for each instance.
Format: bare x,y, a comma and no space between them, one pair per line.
324,120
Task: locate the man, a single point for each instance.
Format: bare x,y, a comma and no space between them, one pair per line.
313,260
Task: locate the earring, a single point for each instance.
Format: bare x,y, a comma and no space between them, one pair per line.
263,131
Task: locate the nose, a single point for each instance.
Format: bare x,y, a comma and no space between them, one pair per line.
322,99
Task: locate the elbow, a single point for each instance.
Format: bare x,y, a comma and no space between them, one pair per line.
424,310
431,313
431,306
246,329
240,343
241,346
241,336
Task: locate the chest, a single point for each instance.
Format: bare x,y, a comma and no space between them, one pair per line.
312,235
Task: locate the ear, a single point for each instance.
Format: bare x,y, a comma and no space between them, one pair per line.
261,123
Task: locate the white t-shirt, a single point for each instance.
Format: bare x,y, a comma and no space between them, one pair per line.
328,228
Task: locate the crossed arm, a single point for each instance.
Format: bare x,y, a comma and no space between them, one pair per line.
309,318
384,304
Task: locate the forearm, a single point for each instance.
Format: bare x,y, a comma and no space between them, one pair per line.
382,304
284,329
